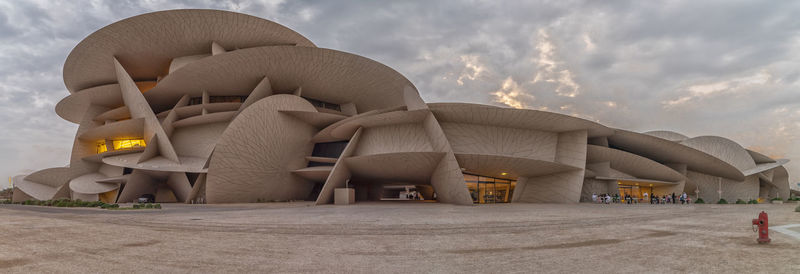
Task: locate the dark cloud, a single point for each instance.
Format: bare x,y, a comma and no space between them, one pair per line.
699,67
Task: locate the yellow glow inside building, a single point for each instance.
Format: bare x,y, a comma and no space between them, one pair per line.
128,144
101,147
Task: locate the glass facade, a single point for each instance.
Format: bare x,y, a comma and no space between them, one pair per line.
321,104
634,190
101,147
489,190
128,144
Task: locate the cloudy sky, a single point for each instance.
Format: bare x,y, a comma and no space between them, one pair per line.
727,68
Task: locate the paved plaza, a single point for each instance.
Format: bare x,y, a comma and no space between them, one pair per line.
397,237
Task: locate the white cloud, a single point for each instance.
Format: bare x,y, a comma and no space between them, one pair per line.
511,94
550,71
731,86
472,68
588,41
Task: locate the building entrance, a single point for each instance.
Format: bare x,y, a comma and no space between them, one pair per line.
636,192
489,190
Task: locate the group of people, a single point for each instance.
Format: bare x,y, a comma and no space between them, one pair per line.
651,197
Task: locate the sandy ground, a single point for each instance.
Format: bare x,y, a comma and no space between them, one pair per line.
397,237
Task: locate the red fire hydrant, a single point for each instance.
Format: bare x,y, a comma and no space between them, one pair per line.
761,226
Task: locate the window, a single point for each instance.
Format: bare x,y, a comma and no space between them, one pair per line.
195,101
226,99
217,99
101,147
321,104
128,144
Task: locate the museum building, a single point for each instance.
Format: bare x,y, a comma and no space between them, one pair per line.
208,106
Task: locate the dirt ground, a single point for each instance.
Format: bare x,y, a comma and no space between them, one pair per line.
397,237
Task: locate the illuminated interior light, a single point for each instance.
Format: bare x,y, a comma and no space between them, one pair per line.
129,144
504,173
101,147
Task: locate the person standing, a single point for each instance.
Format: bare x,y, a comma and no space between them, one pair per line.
683,197
673,198
646,198
594,197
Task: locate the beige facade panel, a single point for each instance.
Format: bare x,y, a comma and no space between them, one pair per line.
138,184
708,185
54,177
327,75
447,179
340,174
560,188
325,135
667,135
120,113
760,158
257,153
140,108
197,141
411,167
514,118
316,118
187,164
198,193
393,139
781,180
34,190
147,43
665,151
205,119
632,164
506,167
316,174
723,149
132,128
262,89
501,141
179,62
73,107
564,187
392,116
87,184
765,167
321,159
180,186
20,196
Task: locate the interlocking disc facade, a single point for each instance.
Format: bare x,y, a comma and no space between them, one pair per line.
206,106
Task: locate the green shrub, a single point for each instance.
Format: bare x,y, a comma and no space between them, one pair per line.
157,206
740,202
776,199
722,202
136,206
699,201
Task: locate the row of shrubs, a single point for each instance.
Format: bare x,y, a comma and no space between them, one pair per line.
79,203
147,205
63,203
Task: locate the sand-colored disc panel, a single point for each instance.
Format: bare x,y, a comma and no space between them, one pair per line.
257,153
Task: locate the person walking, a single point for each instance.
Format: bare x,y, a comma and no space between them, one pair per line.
673,198
594,197
646,198
683,198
